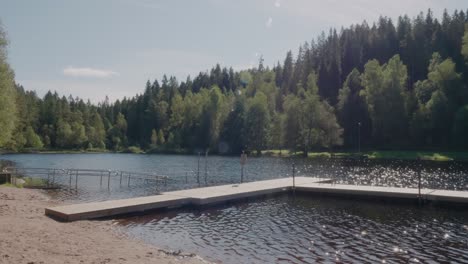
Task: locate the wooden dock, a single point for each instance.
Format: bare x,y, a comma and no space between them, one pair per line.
226,193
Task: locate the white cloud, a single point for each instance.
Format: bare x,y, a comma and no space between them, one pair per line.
88,72
277,3
269,22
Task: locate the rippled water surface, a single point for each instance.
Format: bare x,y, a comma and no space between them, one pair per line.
310,229
182,169
282,229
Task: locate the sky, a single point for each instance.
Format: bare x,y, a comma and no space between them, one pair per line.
98,48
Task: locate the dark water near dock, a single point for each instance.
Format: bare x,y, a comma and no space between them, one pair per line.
282,229
310,229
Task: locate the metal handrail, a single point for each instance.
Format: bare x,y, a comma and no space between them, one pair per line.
145,174
76,173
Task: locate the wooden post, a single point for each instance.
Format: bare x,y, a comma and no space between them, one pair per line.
16,174
242,173
419,181
76,180
121,177
108,180
294,177
243,160
128,183
101,178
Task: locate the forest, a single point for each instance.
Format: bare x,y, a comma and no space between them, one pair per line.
389,85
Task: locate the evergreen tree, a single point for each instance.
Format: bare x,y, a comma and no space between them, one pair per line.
460,128
233,134
465,44
118,133
96,133
352,111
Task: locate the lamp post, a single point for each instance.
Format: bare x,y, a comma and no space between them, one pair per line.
198,170
359,137
206,167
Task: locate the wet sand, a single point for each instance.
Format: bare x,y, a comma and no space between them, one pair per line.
28,236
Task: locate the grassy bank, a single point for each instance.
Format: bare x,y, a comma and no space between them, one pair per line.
384,154
26,182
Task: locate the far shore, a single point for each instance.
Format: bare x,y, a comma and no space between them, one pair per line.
28,236
378,154
339,154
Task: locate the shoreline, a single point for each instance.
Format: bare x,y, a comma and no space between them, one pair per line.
28,236
438,156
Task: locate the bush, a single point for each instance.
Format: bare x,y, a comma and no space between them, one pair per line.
134,149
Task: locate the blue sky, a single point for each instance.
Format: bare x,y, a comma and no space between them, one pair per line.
92,48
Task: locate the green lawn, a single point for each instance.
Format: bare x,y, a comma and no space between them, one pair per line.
425,155
7,185
287,153
28,182
387,154
34,182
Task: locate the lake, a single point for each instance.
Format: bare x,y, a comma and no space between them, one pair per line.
305,229
299,229
183,170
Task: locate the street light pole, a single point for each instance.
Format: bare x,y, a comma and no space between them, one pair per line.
198,170
206,167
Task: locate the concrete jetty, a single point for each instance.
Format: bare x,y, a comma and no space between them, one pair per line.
226,193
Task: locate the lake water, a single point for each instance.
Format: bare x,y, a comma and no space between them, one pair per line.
182,169
282,229
309,230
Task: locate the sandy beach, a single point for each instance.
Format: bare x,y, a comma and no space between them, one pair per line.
28,236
